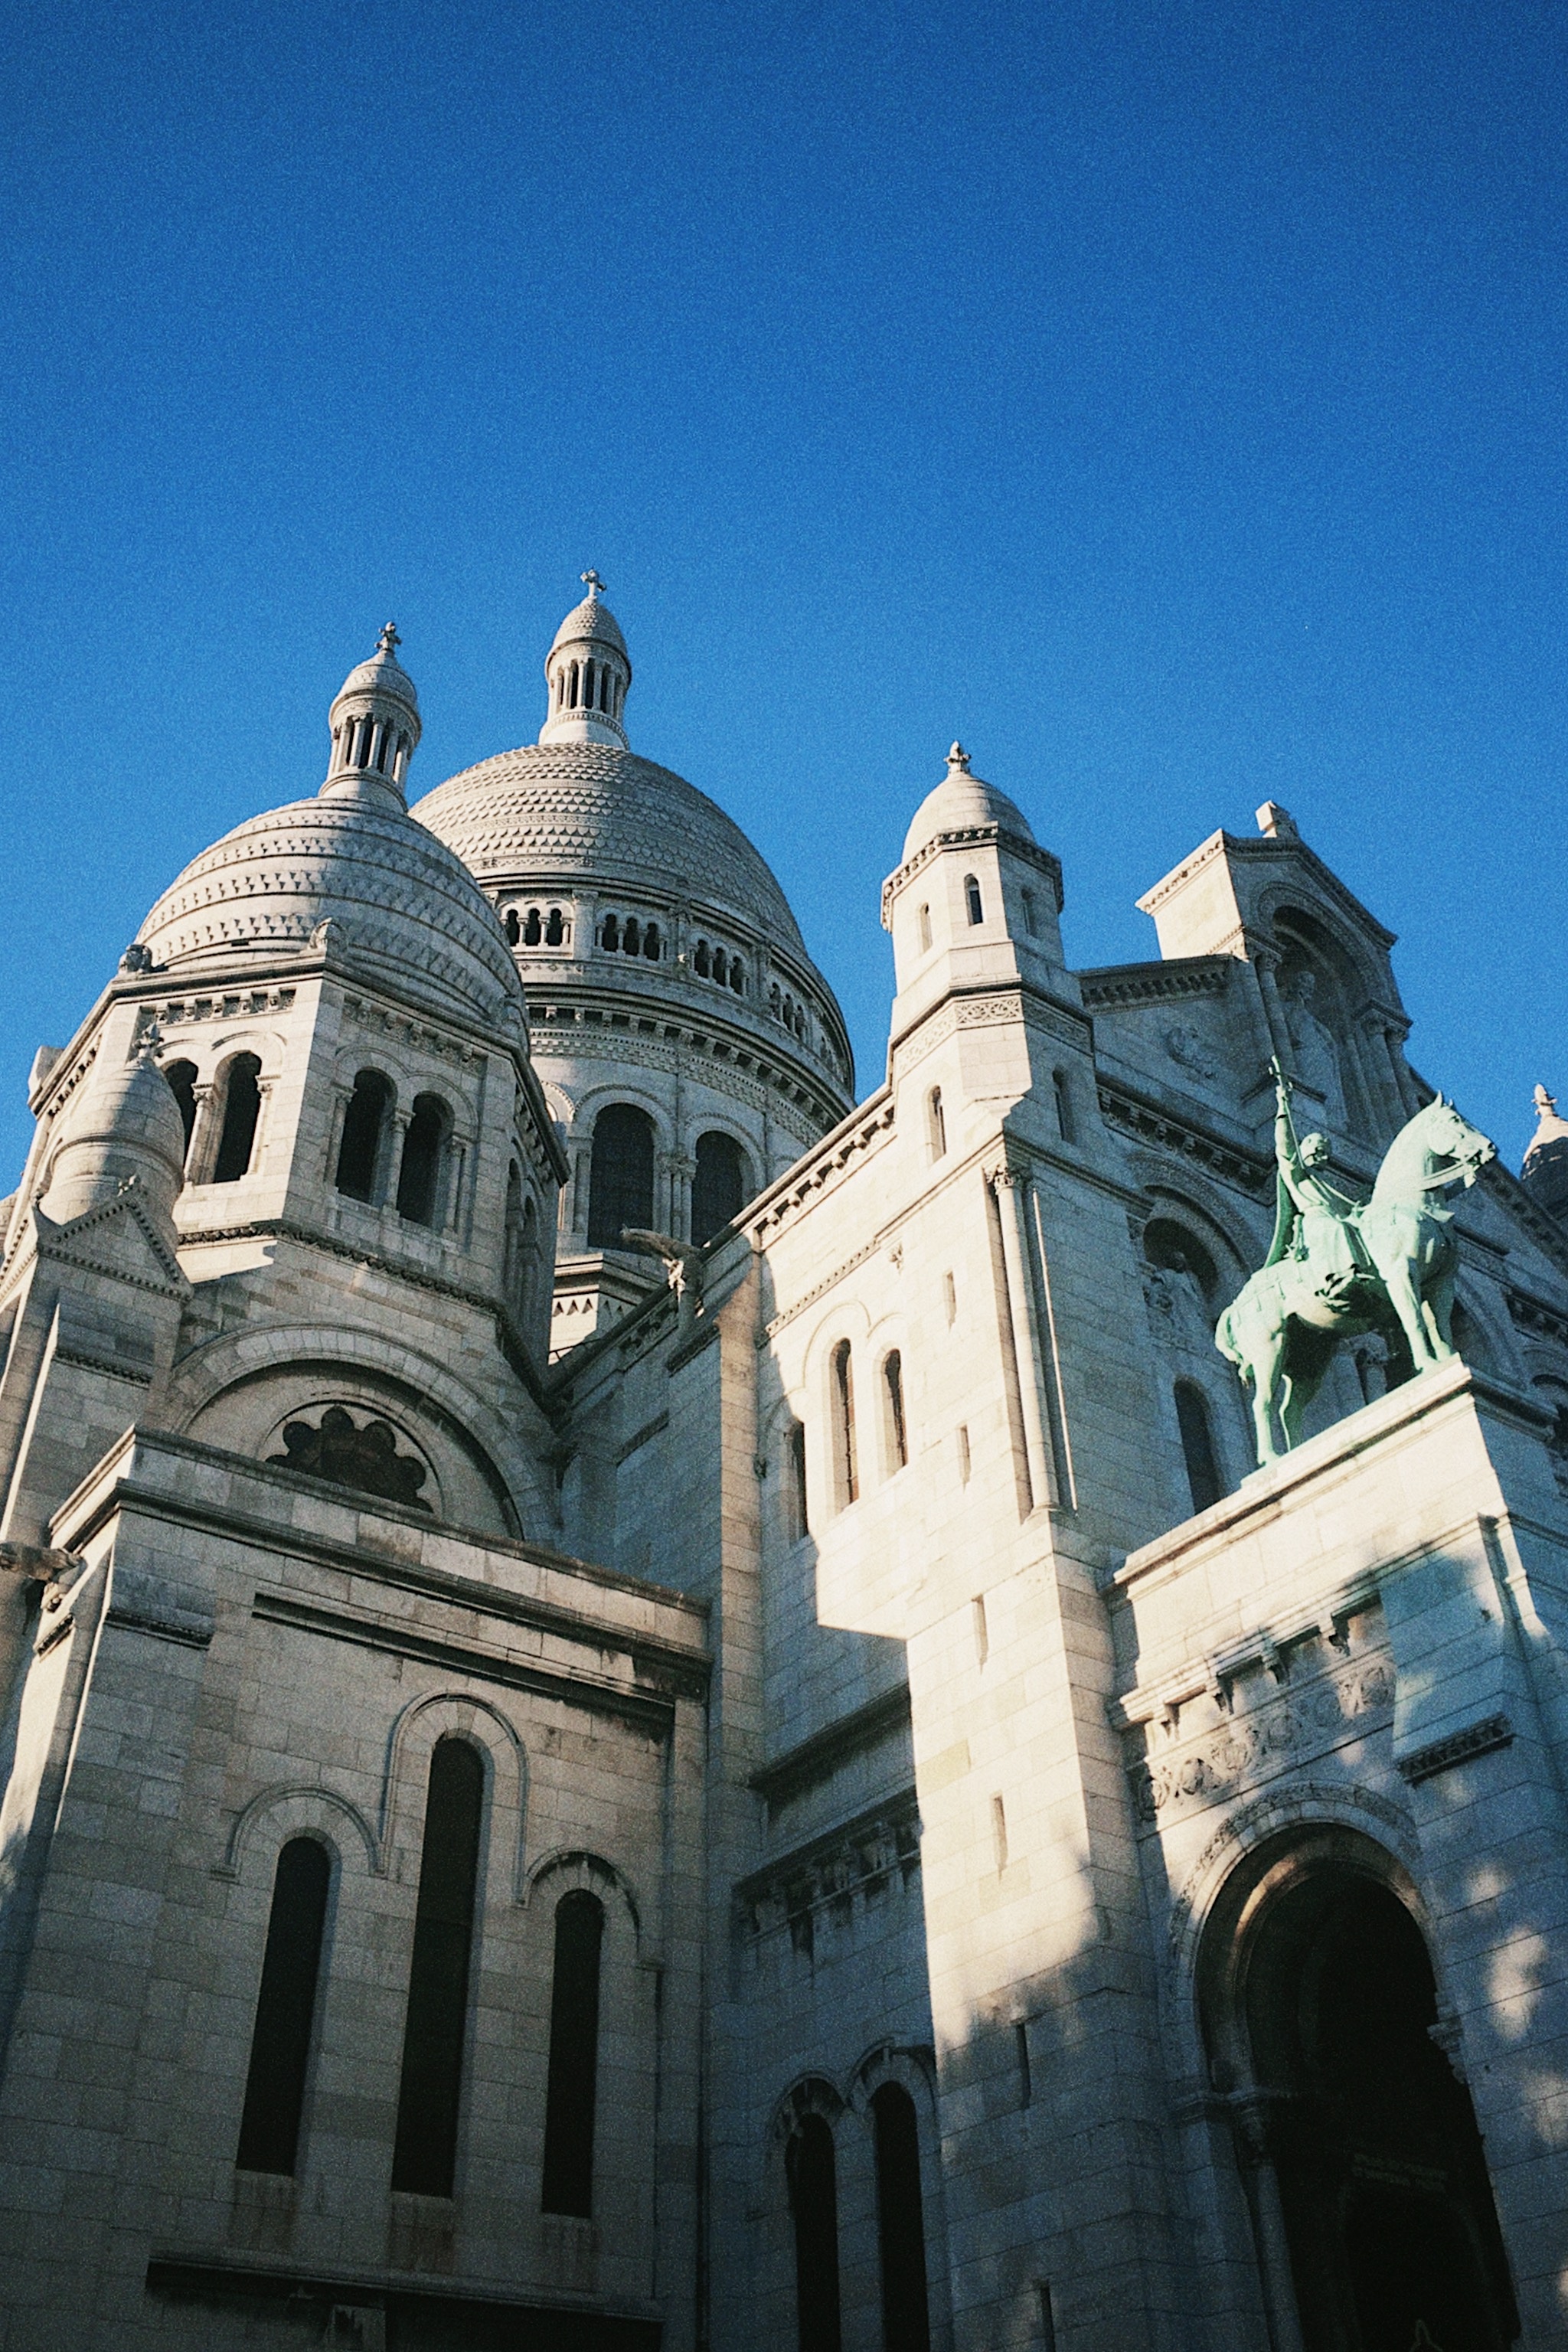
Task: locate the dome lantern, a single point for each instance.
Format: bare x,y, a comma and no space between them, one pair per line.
589,671
375,727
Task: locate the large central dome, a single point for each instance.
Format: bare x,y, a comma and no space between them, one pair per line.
568,813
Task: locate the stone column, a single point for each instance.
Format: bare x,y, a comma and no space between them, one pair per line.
204,1136
1011,1186
1251,2118
390,1169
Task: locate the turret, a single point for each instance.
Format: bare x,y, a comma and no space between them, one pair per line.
376,729
125,1123
589,671
1545,1171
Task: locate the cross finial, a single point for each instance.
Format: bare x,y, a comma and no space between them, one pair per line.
958,758
388,638
1544,1102
591,581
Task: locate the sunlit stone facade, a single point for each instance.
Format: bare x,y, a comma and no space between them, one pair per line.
783,1784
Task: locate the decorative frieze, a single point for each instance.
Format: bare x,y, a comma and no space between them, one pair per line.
1135,1117
1270,1737
879,1852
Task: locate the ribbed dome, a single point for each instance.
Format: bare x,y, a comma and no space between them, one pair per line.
380,675
590,623
959,802
572,813
400,903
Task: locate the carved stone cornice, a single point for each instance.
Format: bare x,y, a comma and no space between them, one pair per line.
1155,983
970,837
878,1852
1353,1701
1152,1123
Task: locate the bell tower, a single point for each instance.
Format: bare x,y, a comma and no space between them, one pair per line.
589,671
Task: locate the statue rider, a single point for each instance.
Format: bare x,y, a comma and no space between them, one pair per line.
1315,1221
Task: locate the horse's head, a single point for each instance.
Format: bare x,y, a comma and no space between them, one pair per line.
1459,1151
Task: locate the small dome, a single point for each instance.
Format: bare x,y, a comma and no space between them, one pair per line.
401,906
382,674
125,1122
591,623
960,802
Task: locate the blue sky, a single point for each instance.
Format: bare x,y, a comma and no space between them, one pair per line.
1167,398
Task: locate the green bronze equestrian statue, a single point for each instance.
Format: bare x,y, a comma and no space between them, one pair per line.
1338,1266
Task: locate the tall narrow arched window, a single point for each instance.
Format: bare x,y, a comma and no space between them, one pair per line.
814,2209
620,1174
972,904
554,929
701,962
796,1523
532,929
631,941
650,942
717,1186
571,691
573,2084
1061,1093
241,1110
896,1431
590,679
1197,1445
1030,923
182,1078
285,2010
845,1467
900,2224
610,933
922,927
365,1125
425,2156
936,1123
424,1148
512,926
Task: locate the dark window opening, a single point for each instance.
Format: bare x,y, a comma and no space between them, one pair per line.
1029,923
796,1521
285,2010
737,976
512,928
620,1174
718,1187
971,900
241,1110
701,960
845,1468
938,1121
532,929
182,1078
631,939
572,2084
1204,1480
893,1387
419,1177
610,934
364,1124
900,2224
813,2208
1063,1095
650,942
425,2157
555,929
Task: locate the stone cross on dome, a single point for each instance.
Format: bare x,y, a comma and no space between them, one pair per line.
592,581
389,640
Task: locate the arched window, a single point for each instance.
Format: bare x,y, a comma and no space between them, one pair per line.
590,679
936,1123
424,1148
1062,1095
721,966
571,696
701,960
718,1187
529,1259
425,2156
896,1432
573,2081
737,976
1029,919
610,934
1197,1445
241,1110
650,942
922,923
364,1124
182,1078
555,929
285,2010
900,2222
971,900
796,1523
532,929
620,1174
513,928
631,940
845,1467
814,2209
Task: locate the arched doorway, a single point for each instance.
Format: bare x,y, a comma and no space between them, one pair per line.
1358,2137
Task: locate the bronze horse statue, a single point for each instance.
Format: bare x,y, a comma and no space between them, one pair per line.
1340,1267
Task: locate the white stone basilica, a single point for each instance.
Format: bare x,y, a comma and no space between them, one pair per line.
645,1708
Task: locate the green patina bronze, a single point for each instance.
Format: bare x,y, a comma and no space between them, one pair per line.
1338,1266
